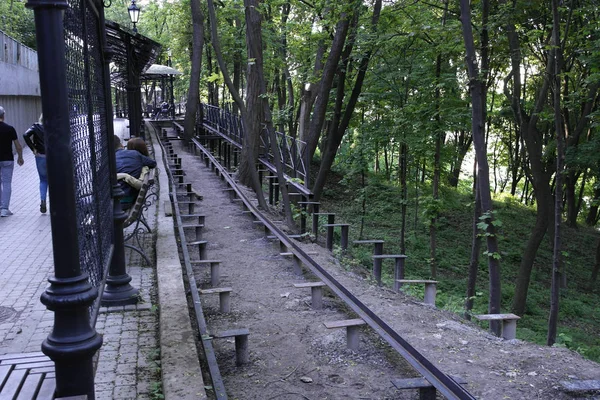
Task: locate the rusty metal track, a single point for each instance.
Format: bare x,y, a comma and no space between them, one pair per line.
442,382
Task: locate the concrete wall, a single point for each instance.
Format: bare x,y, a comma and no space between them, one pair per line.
19,84
18,81
21,111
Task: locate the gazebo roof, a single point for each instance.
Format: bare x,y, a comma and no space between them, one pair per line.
157,70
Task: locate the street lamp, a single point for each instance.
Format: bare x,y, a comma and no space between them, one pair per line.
170,64
134,14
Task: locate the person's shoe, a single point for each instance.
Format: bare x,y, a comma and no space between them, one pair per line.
5,212
43,208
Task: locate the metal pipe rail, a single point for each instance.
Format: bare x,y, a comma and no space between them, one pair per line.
209,353
442,382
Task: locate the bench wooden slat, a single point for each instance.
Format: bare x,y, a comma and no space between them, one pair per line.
421,383
4,373
383,256
47,389
232,333
39,364
19,356
13,384
581,385
496,317
216,290
30,387
197,242
344,323
309,284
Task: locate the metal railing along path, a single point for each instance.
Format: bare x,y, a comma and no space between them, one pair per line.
442,382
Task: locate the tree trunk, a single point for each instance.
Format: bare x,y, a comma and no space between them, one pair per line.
477,89
596,269
320,107
474,261
592,216
404,192
193,98
336,136
247,173
538,168
258,102
558,123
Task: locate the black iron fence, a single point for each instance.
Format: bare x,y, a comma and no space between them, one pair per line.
292,151
89,138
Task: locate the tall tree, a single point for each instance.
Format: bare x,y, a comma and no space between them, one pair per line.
193,98
476,88
251,123
558,123
257,98
339,129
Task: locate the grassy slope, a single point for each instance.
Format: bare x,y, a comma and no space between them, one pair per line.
579,319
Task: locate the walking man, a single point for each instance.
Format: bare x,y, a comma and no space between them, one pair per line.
8,136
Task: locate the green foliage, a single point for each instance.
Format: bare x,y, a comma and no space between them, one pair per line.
579,316
17,21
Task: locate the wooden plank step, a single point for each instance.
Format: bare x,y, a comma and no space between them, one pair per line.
309,284
421,383
496,317
344,323
216,290
232,333
581,385
370,241
382,256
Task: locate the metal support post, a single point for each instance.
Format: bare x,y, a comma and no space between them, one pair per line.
73,341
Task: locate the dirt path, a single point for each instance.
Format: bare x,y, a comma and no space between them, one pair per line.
292,354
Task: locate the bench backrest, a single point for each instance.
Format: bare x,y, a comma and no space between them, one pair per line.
140,200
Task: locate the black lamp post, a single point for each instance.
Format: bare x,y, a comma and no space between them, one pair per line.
134,14
169,63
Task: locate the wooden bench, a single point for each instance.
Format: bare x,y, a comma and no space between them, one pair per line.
191,205
315,209
27,376
430,288
201,217
297,262
581,386
316,293
351,325
223,292
377,245
241,343
197,228
426,390
201,248
315,221
215,270
344,235
398,267
509,323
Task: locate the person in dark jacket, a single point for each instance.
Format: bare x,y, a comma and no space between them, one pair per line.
34,137
8,138
130,162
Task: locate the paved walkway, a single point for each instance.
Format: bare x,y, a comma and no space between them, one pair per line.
126,367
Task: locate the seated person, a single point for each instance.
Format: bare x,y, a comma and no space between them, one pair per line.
131,162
